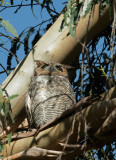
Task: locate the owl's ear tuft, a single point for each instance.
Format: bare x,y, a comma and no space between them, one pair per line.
69,67
39,63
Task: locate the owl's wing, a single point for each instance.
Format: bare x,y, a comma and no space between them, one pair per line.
28,109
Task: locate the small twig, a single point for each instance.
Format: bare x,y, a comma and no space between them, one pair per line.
84,48
54,11
17,136
6,71
26,5
13,6
78,147
68,136
41,23
71,146
78,131
3,69
14,38
10,53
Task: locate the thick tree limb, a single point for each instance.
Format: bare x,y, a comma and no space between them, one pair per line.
79,106
95,115
107,128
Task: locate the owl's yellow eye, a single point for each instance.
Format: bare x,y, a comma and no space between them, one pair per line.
59,68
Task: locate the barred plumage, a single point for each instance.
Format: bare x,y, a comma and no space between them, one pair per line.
50,94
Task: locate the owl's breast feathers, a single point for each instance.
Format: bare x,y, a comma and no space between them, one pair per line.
46,86
50,96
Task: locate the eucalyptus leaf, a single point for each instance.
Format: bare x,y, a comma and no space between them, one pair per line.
9,138
6,3
73,9
1,92
32,8
13,96
71,31
89,6
6,108
1,104
2,41
1,147
9,27
11,116
2,1
90,92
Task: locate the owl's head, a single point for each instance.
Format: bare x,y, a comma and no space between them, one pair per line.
44,68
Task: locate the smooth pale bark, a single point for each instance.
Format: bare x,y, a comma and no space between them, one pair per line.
96,116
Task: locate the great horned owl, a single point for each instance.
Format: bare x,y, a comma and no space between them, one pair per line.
49,95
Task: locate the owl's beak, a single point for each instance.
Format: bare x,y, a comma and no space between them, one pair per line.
51,69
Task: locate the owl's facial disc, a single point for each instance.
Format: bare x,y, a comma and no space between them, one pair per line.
51,69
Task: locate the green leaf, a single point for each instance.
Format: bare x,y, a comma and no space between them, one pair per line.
11,116
9,27
1,104
88,8
1,2
6,108
9,138
90,92
86,154
13,96
1,147
8,72
1,92
1,157
2,41
6,3
1,99
71,30
32,8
